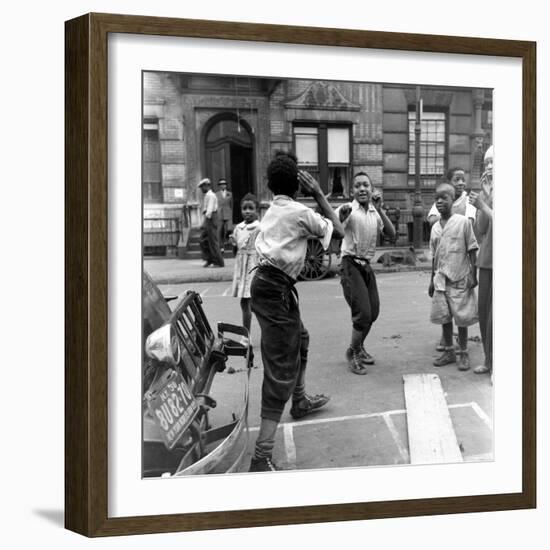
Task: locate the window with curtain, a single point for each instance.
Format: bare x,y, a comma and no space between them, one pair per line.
324,151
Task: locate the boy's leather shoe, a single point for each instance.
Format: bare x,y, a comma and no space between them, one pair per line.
307,405
446,358
355,362
367,358
262,465
464,361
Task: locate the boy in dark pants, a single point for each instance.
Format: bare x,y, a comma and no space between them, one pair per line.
281,245
363,220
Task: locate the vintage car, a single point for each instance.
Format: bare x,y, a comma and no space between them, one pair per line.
182,359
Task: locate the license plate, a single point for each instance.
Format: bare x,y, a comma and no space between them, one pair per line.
173,407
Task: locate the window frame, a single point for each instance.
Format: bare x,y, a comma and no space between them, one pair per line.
428,179
323,166
155,193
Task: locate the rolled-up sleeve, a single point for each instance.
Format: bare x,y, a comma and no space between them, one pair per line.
315,225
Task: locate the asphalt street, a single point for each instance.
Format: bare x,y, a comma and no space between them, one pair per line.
364,424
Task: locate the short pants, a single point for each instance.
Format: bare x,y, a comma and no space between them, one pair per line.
456,303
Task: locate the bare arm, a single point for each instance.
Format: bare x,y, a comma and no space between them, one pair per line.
389,229
431,287
477,200
311,187
473,272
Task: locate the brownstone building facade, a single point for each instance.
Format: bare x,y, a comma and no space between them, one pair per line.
197,126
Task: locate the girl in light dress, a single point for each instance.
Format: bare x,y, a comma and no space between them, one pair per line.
244,238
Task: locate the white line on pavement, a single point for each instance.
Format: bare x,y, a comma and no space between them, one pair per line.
290,447
481,413
353,417
203,293
395,434
227,291
336,419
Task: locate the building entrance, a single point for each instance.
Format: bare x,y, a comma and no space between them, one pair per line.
228,153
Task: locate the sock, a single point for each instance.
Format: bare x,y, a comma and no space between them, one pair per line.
266,439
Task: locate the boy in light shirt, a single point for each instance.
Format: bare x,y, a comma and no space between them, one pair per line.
454,248
281,246
461,205
363,220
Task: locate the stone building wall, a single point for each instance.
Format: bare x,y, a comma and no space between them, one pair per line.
377,114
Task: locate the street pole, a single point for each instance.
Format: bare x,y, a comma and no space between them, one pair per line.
417,210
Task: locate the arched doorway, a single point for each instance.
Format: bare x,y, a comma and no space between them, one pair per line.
228,147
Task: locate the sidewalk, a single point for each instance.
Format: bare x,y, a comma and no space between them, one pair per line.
176,271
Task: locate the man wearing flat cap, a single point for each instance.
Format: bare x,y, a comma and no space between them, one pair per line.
209,243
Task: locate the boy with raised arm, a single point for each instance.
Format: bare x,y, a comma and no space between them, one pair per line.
281,245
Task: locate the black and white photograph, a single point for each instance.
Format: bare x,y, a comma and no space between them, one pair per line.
317,274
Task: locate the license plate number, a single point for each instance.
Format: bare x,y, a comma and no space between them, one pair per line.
173,408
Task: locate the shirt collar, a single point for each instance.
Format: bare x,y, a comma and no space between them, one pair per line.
448,219
355,206
282,198
462,197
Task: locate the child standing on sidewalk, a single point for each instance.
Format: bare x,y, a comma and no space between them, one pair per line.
281,245
363,220
244,239
454,248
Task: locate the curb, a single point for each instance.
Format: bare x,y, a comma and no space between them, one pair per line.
227,277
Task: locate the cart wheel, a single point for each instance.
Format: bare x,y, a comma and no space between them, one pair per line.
317,263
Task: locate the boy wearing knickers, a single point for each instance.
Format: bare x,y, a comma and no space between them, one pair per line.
281,246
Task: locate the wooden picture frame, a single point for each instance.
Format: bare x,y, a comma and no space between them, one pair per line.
86,279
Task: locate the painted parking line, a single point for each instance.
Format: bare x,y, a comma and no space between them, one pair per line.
290,445
363,416
482,414
203,292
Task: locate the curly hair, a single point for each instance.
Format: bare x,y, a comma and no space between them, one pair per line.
282,174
